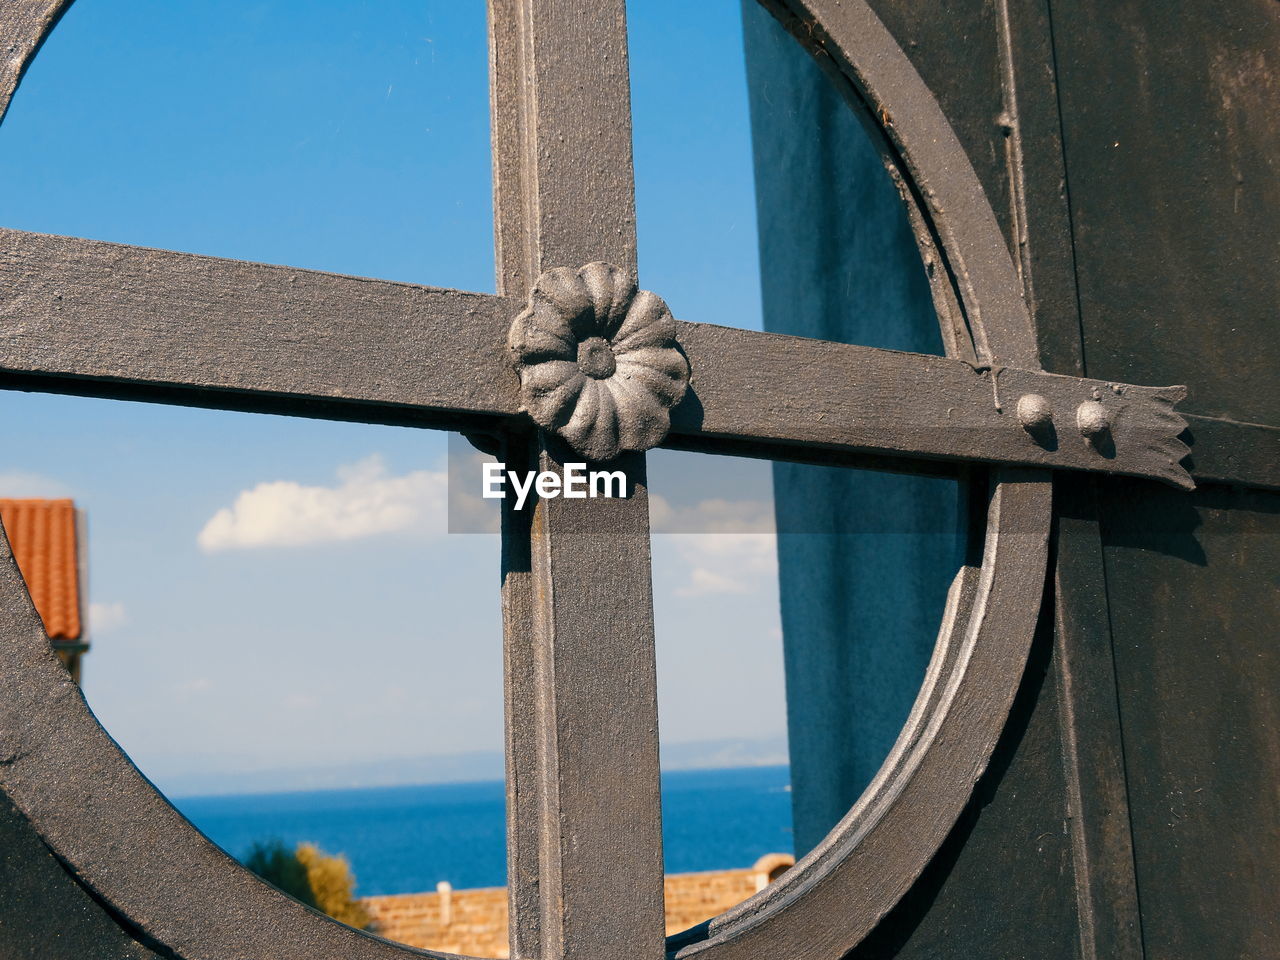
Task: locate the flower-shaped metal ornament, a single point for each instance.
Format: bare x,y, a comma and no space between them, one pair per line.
598,361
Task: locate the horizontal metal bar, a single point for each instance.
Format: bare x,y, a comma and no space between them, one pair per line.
791,390
1229,451
100,319
152,320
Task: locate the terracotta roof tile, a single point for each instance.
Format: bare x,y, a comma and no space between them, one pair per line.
43,536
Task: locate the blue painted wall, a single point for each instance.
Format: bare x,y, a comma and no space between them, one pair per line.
865,559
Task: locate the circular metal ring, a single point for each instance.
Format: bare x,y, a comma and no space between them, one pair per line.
833,897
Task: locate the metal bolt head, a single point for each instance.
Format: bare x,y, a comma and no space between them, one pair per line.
1034,413
1093,420
596,359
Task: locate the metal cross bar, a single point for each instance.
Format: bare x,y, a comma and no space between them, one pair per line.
101,319
778,390
116,317
579,618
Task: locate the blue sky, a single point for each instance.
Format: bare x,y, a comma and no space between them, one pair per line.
353,137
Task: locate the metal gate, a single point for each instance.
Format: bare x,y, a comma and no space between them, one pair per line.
570,361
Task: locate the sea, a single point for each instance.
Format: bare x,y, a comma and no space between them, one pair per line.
407,839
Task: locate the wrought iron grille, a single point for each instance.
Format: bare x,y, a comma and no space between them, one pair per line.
568,359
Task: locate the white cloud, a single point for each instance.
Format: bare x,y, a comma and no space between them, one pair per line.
718,515
703,581
21,483
727,546
105,617
468,511
365,502
726,563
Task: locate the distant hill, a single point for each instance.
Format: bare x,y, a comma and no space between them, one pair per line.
445,768
716,754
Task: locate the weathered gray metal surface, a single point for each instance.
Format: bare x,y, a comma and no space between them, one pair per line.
1195,294
598,360
1093,748
44,913
812,392
1234,452
521,706
561,92
1193,602
582,767
26,23
151,318
1079,701
99,318
1193,660
1191,581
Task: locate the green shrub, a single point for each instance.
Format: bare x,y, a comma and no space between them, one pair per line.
280,867
312,876
333,886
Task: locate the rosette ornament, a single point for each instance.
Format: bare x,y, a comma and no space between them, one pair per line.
598,361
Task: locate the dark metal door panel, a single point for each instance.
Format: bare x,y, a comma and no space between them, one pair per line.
1195,611
1173,146
1171,141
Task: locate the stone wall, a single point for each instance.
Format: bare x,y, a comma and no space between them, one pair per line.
470,922
474,922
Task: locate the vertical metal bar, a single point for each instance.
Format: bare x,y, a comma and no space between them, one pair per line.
584,802
1092,734
524,798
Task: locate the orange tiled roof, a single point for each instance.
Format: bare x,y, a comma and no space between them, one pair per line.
43,536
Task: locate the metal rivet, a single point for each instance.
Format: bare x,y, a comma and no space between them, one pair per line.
1034,413
1093,420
